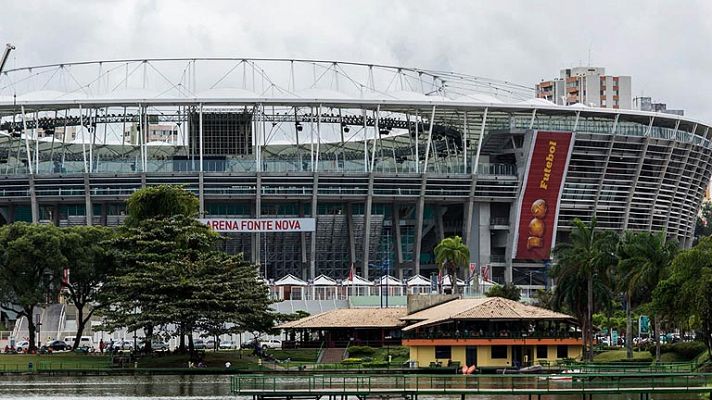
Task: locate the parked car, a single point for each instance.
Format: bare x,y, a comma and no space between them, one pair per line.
226,345
58,345
85,342
271,344
199,344
22,345
156,345
122,345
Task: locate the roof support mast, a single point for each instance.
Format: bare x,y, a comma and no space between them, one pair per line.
8,48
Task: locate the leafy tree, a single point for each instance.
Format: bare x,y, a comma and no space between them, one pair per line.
583,265
451,254
31,264
150,256
89,263
703,224
507,291
544,298
686,294
169,272
645,258
158,202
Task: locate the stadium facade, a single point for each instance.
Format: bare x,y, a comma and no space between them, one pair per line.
387,160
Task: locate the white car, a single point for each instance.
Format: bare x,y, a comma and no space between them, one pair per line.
120,345
22,345
271,344
226,345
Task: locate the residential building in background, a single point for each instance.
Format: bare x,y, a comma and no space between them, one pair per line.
646,104
589,86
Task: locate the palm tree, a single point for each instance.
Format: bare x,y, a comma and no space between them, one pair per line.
583,264
645,260
451,254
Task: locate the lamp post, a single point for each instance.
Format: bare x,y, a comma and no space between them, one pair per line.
38,323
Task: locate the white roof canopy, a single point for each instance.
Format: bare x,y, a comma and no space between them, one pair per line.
418,280
388,280
357,281
290,280
446,281
323,280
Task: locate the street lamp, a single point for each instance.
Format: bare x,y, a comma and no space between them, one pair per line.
38,323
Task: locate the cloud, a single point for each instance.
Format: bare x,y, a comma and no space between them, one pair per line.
661,44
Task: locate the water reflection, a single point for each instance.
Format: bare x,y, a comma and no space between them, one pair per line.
169,387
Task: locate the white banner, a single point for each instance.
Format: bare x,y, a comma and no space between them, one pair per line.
261,224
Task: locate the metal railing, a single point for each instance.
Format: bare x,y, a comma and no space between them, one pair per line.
471,384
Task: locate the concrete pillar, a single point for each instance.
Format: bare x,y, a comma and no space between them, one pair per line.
89,210
55,214
201,194
303,246
399,240
103,221
314,213
257,237
350,228
483,238
367,226
419,210
34,206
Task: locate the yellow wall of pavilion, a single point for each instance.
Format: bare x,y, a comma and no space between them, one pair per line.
424,355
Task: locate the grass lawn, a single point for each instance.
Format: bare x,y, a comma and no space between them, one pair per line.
20,362
213,359
620,355
297,355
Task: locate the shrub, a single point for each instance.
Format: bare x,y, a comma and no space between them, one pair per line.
361,351
351,361
376,364
688,350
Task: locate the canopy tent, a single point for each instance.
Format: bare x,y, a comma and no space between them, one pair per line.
325,288
289,287
290,280
357,286
323,280
390,285
418,280
387,280
447,282
419,284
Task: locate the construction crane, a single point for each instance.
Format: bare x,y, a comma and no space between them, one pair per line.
8,48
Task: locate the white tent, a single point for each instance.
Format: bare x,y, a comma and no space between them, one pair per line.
418,280
357,286
387,280
446,281
323,280
325,288
289,287
290,280
357,281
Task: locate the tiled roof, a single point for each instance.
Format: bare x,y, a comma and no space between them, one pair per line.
351,318
483,308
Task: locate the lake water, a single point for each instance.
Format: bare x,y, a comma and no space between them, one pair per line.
169,387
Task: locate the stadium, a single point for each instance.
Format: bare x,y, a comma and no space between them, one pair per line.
359,166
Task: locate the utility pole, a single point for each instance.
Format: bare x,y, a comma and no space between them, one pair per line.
8,48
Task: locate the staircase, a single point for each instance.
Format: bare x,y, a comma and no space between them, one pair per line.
332,355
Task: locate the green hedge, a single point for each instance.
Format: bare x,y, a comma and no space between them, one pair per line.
361,351
351,361
687,350
376,364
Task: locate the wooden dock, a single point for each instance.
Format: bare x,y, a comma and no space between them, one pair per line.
587,385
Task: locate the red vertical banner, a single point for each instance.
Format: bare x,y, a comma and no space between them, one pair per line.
539,206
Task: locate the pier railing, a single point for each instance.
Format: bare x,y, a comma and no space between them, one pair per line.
409,385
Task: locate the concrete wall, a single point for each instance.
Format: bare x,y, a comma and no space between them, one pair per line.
417,302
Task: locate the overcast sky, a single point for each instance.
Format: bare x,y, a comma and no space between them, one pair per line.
663,45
